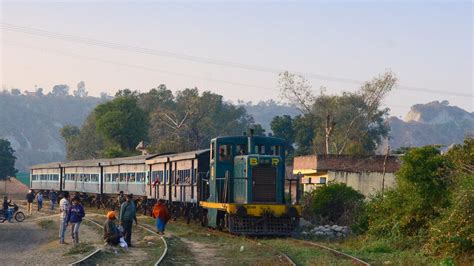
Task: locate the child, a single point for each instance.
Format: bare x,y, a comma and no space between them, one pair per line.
74,216
160,212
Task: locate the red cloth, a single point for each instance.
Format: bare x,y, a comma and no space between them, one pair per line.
161,211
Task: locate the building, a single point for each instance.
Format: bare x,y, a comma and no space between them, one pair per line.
363,173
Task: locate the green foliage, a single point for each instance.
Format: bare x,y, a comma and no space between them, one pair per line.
169,122
421,192
7,160
453,233
121,121
282,127
334,203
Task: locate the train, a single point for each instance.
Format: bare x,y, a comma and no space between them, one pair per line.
238,184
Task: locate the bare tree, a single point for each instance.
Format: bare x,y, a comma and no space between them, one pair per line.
297,90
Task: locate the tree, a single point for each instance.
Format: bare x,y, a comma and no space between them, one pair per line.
350,123
81,90
39,92
15,92
282,127
60,90
122,122
7,160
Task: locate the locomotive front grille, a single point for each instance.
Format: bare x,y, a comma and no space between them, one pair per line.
264,184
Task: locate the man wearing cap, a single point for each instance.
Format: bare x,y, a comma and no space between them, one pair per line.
111,232
128,213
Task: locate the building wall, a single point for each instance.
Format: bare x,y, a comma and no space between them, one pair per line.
366,183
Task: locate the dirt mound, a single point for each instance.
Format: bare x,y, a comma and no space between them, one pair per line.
13,187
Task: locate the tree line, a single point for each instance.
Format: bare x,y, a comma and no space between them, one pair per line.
166,121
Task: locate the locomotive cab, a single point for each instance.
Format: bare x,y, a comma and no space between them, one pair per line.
246,187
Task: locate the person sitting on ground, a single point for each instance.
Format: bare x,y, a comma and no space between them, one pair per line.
111,232
30,197
161,213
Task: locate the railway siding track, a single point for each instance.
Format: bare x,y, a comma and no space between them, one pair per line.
354,260
96,252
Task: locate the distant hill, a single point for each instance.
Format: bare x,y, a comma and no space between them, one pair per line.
32,124
264,112
432,123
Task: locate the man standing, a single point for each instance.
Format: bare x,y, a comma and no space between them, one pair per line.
39,199
63,208
30,197
53,196
128,213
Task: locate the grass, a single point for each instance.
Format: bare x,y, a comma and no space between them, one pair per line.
80,248
47,224
381,251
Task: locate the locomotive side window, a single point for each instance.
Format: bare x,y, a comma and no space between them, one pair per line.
225,152
241,149
275,150
213,155
260,149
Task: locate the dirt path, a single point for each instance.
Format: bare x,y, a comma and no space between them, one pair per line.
36,243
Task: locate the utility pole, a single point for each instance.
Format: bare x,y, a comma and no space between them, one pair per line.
384,169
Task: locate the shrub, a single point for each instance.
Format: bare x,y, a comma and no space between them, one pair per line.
334,203
452,234
421,193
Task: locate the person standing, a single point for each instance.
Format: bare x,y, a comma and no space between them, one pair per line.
111,232
161,213
74,216
53,196
120,199
63,210
39,199
128,214
30,197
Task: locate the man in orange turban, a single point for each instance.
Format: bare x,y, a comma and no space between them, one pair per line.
111,232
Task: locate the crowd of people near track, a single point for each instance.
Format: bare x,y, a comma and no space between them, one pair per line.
117,228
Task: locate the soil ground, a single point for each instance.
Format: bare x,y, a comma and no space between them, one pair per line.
35,242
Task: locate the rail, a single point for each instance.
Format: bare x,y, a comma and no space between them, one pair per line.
337,252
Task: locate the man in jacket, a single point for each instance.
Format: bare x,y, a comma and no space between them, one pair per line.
128,213
30,197
74,216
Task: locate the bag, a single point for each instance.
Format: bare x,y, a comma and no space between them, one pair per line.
123,243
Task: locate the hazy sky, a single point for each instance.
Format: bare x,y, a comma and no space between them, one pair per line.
427,44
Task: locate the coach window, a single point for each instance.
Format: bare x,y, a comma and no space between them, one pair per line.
225,152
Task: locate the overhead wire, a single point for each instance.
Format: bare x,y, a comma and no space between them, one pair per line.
205,60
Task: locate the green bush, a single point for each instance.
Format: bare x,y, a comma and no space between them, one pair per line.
334,203
421,193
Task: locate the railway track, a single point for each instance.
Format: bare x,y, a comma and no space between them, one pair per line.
338,253
96,252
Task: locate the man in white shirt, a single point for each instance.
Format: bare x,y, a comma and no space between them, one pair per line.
63,209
